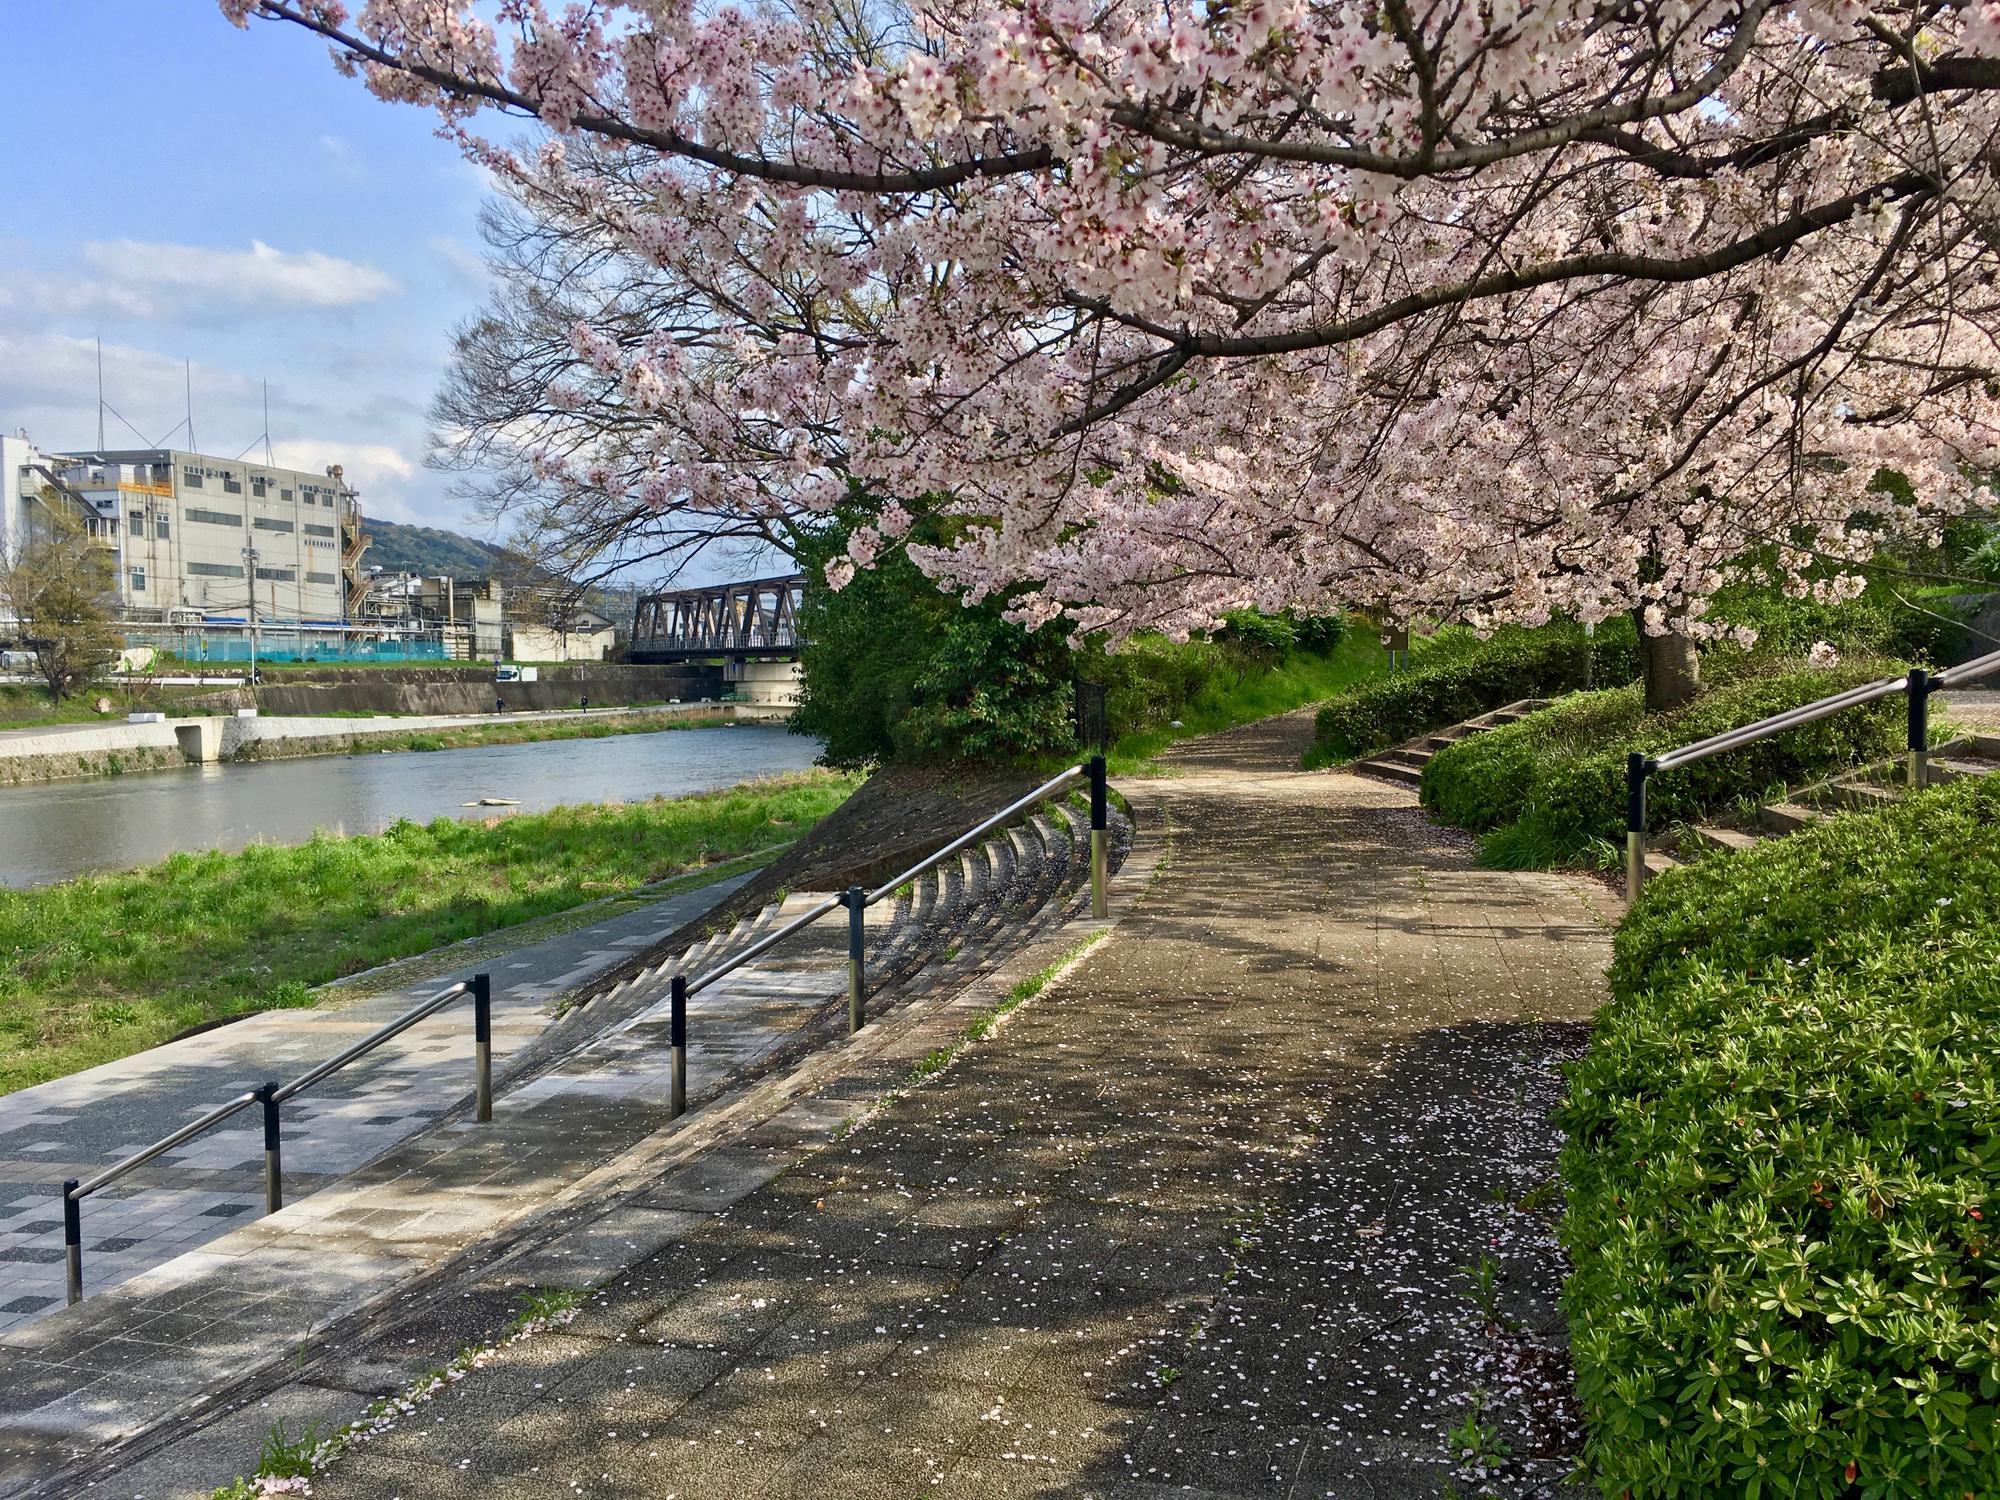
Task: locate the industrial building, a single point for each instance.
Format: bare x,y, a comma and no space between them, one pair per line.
201,541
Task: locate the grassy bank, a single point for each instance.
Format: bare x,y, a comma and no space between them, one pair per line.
524,732
1224,694
96,968
1782,1173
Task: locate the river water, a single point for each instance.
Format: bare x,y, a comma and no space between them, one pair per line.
58,829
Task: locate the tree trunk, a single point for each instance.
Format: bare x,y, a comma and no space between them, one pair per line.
1672,666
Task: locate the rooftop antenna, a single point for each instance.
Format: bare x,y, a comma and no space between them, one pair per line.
187,366
268,462
100,394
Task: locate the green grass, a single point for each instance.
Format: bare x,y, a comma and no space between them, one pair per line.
533,732
1300,678
101,967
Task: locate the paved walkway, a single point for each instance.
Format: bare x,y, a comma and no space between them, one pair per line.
77,1125
1208,1217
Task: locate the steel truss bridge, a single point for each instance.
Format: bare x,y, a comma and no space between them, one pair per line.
731,620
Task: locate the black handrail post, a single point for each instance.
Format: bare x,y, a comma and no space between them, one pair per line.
73,1240
1100,838
482,1047
1637,768
1920,725
274,1182
677,1037
857,911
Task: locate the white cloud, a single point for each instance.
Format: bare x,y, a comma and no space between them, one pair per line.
156,275
382,474
46,376
465,263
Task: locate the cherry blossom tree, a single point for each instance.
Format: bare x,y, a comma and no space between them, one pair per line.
1482,309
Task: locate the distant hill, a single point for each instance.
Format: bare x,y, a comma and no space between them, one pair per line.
431,550
396,548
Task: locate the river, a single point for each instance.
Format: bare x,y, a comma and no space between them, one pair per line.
55,830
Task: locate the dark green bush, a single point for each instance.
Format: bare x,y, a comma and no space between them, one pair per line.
1783,1169
1490,779
1452,681
1563,769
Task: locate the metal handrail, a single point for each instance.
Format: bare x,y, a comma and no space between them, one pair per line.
766,943
973,835
1965,671
1791,718
857,900
965,840
373,1040
1919,684
186,1133
270,1096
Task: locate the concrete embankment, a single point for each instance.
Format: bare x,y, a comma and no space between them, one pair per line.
70,750
446,689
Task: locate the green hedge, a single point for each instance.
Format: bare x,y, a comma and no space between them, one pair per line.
1783,1169
1563,769
1447,685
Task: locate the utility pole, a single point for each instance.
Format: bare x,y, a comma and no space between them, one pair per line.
250,577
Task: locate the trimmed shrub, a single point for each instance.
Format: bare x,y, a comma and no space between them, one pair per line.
1454,682
1562,769
1783,1169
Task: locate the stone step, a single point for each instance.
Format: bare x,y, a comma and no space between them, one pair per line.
1787,817
1726,838
1946,768
1415,758
1391,771
1863,796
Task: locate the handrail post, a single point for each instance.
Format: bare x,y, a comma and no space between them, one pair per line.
482,1047
73,1240
677,1037
1100,818
274,1183
1637,769
857,912
1920,726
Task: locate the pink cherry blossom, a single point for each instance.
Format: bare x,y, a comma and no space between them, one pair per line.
1484,312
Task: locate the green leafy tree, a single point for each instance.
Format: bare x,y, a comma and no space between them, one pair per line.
58,588
895,670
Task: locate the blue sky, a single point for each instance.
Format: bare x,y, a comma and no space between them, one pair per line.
186,190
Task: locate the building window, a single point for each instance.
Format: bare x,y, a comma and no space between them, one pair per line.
138,580
320,578
191,479
270,523
138,523
231,485
214,570
286,496
214,517
278,575
313,528
160,528
257,486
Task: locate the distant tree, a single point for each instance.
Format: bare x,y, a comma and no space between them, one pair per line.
59,586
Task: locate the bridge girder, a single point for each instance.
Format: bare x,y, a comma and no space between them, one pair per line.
757,617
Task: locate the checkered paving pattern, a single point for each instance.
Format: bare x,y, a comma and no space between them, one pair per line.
76,1126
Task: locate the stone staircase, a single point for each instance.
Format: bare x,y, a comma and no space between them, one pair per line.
1405,763
937,933
1865,789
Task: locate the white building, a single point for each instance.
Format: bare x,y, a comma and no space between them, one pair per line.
200,539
